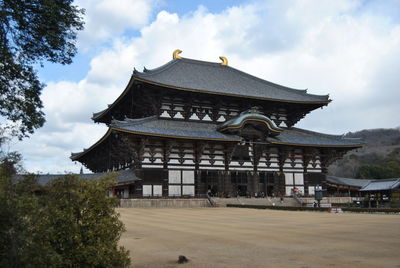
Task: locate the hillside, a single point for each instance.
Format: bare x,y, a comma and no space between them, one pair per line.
378,159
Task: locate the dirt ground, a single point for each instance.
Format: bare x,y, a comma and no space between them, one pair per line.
236,237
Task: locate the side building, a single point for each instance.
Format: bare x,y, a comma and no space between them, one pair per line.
192,127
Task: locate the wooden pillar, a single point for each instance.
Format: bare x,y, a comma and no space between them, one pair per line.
228,183
198,150
257,153
165,183
250,183
283,154
166,153
279,183
256,185
198,186
229,149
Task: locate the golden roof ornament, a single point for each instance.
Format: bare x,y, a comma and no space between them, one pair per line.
224,61
175,54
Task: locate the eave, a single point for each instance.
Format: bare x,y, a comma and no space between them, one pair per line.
98,117
318,145
321,103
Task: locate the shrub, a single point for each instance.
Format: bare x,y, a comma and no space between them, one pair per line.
69,223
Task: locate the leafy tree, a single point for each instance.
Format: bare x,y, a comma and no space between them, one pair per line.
22,224
383,170
85,227
32,32
68,223
382,167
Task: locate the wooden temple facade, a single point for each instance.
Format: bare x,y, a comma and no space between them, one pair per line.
192,127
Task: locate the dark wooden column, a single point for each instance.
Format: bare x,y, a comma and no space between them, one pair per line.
228,188
199,146
283,154
257,152
229,149
309,155
167,146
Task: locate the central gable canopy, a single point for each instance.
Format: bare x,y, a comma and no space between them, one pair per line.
250,124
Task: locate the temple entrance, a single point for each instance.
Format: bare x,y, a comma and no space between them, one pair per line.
242,190
270,190
239,179
209,180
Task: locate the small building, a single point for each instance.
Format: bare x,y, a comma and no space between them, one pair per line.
382,191
124,187
337,186
371,192
191,127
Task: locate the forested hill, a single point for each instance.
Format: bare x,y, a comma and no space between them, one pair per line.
378,159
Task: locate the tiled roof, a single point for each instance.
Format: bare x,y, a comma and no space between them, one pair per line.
214,78
347,181
172,128
381,185
197,130
297,136
179,129
122,176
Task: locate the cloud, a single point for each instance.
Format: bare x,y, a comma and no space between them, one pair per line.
108,19
48,151
336,47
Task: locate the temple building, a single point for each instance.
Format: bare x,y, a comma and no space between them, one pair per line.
192,127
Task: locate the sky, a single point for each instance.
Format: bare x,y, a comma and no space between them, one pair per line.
349,49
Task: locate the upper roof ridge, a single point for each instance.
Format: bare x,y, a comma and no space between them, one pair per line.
151,72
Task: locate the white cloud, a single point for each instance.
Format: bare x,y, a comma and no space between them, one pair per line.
331,47
108,19
49,151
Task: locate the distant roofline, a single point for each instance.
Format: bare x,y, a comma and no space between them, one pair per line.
396,182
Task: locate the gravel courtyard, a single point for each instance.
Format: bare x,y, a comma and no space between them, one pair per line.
236,237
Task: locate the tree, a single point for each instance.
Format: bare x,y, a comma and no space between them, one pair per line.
32,32
68,223
21,222
85,225
389,168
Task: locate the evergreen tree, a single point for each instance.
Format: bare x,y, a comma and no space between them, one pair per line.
32,32
69,223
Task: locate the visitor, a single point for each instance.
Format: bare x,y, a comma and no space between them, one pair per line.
209,192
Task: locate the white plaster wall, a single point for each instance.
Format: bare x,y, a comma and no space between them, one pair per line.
174,176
